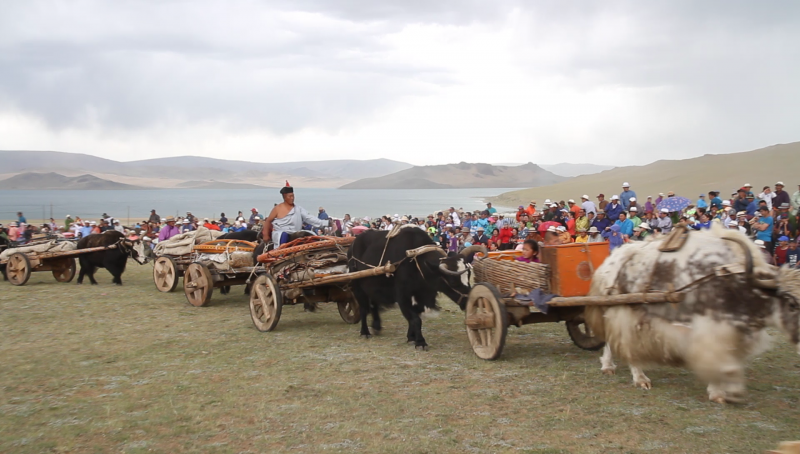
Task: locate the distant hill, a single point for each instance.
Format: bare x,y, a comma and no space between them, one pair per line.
216,185
461,175
687,177
565,169
34,181
169,172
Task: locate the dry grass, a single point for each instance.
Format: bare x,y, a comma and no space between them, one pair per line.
127,369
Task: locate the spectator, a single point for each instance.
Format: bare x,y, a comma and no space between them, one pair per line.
582,236
254,213
601,202
701,201
664,223
582,222
625,196
625,224
740,203
118,227
634,217
767,195
68,223
714,200
169,230
594,236
490,208
601,222
222,218
21,219
563,235
587,205
703,223
13,231
781,196
573,207
782,250
154,217
530,252
95,229
764,226
649,207
795,202
506,234
793,254
481,237
641,232
614,237
659,199
456,218
614,208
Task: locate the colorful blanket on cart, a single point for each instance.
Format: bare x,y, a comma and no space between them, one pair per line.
182,244
50,246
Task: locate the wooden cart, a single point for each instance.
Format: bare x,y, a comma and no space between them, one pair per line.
286,280
566,270
20,265
200,277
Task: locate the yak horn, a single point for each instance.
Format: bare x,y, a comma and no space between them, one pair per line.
474,250
443,269
748,266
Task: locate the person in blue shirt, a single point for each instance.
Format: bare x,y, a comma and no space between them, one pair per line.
764,228
21,219
490,208
613,209
601,222
753,206
625,196
705,222
701,202
793,254
715,200
625,224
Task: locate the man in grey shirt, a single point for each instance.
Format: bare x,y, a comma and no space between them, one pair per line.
664,221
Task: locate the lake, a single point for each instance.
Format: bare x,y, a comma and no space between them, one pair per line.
211,202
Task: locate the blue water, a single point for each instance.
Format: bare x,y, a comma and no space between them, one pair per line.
211,202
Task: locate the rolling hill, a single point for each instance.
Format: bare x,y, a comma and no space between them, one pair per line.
687,177
34,181
174,171
461,175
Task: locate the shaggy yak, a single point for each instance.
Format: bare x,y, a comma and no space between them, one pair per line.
730,296
114,260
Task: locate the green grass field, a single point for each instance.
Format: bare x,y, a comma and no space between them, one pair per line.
127,369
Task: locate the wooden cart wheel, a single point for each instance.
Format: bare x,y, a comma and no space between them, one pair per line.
487,321
582,336
349,309
165,274
266,302
66,272
18,269
198,285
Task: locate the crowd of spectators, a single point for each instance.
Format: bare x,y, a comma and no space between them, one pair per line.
771,218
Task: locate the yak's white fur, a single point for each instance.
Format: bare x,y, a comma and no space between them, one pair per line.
710,346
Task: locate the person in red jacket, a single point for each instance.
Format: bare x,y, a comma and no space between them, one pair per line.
506,233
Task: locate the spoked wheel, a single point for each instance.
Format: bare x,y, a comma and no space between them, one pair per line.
18,269
165,274
266,302
66,271
349,310
582,336
487,321
198,285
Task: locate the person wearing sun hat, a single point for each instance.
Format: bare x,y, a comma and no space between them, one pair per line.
169,230
614,208
587,205
781,196
625,196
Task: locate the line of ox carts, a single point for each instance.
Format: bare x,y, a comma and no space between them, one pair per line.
364,274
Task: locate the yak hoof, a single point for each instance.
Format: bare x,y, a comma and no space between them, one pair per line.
423,348
94,283
609,370
366,336
644,384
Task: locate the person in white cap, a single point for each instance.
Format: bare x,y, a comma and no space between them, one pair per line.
187,226
625,196
614,208
118,227
664,222
781,196
573,207
588,205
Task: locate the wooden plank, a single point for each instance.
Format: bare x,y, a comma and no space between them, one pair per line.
377,271
612,300
48,255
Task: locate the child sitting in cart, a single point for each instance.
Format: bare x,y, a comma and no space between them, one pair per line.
530,252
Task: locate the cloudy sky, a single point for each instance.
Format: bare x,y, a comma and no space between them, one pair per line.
420,81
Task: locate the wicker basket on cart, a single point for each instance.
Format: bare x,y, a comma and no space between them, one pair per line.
508,275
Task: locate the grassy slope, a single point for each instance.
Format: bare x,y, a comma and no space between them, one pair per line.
127,369
687,178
